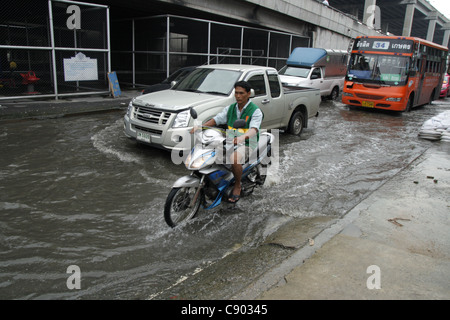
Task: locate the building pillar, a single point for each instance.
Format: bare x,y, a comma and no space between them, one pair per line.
409,16
432,17
446,29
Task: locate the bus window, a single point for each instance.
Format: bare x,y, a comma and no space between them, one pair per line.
374,68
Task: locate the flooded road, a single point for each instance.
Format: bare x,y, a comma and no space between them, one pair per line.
75,191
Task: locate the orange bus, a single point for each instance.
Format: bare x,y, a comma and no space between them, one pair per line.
394,73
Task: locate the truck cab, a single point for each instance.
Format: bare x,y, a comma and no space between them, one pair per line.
162,119
323,69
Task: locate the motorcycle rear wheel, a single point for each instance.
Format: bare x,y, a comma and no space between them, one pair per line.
177,208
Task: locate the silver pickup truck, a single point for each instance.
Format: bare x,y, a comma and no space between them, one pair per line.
161,119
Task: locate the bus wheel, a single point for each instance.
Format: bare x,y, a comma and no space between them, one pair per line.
431,97
409,104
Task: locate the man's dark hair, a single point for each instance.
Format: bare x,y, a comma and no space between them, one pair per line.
243,84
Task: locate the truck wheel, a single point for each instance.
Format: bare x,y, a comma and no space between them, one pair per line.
334,94
296,124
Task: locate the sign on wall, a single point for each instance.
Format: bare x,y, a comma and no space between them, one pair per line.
114,84
80,68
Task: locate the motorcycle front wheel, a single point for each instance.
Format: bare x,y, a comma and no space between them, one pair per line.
179,207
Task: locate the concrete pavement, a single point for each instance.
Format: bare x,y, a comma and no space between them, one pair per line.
392,245
39,108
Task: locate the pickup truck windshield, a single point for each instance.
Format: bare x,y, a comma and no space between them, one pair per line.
212,81
379,69
294,71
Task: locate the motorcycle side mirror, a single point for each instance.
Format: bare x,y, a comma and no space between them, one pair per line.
239,123
193,113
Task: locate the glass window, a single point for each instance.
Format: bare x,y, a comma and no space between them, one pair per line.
316,74
206,80
188,35
150,38
258,84
274,84
255,47
225,40
370,68
279,45
299,42
301,72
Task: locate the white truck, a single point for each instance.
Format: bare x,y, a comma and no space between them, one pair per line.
162,119
323,69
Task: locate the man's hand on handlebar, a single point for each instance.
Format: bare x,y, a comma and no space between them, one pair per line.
195,128
209,123
239,140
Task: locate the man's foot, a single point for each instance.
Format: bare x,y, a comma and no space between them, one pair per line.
235,196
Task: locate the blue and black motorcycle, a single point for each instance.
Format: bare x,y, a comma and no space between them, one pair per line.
211,180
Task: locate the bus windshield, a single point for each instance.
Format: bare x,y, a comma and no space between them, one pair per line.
379,69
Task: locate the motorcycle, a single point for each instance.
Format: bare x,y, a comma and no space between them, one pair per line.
211,180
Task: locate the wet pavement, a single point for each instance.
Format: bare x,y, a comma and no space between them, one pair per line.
76,191
392,245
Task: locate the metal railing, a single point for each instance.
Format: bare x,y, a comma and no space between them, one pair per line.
40,46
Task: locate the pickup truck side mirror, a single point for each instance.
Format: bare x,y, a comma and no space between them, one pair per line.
252,93
314,76
173,83
239,123
193,113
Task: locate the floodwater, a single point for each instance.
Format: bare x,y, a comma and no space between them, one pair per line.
74,191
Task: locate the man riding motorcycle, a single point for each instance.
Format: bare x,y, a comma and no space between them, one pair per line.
253,116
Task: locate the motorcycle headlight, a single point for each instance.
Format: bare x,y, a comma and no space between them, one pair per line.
198,162
182,119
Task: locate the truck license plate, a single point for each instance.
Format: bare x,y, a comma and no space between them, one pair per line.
368,104
143,136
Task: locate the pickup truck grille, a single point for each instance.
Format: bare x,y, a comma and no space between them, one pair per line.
152,115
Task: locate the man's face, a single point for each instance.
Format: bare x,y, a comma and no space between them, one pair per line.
241,95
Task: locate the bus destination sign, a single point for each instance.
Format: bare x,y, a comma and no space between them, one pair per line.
384,45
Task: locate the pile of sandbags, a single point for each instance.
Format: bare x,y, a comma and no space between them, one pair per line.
436,128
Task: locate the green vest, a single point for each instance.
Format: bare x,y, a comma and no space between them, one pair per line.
247,116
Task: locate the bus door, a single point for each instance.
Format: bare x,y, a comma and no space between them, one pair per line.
421,94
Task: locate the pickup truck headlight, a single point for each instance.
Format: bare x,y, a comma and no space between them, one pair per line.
130,107
182,119
394,99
